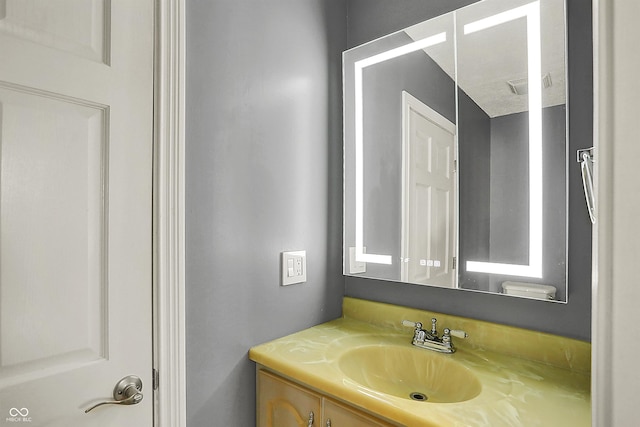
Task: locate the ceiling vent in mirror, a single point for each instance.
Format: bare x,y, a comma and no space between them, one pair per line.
520,86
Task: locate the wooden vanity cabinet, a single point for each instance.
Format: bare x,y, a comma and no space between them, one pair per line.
282,403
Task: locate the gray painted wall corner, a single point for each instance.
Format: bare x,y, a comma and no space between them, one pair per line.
264,175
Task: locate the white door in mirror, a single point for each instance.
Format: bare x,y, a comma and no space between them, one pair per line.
428,240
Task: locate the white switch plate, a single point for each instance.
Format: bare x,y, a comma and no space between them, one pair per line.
356,267
294,267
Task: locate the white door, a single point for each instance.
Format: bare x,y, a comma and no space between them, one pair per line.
428,195
76,88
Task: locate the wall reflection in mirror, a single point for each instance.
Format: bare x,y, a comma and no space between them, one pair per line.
456,152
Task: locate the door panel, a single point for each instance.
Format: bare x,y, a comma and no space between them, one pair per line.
76,96
48,24
429,180
56,294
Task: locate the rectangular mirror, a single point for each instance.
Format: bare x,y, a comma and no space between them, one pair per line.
456,152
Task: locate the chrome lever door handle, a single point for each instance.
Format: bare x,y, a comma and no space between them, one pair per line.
128,391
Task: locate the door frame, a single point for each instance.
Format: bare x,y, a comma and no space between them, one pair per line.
408,102
615,349
169,348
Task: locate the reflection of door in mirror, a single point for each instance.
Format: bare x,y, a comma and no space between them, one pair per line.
428,223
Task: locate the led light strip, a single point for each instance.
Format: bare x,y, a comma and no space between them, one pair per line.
532,12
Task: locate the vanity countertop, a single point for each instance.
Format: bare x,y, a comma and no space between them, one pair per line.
553,389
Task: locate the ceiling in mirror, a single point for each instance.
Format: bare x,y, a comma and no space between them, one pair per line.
455,152
499,63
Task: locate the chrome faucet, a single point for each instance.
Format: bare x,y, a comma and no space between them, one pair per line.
430,339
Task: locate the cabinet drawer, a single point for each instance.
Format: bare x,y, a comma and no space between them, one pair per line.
336,414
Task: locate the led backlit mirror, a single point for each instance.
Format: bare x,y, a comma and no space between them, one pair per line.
456,152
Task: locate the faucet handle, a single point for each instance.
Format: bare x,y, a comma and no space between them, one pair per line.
418,333
410,324
446,338
456,333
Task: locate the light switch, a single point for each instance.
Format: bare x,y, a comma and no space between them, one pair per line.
294,267
290,272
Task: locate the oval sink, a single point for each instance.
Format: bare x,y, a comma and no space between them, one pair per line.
410,373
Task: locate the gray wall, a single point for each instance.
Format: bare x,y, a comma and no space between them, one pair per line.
474,158
370,19
264,175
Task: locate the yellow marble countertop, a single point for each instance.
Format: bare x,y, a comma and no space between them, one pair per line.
516,391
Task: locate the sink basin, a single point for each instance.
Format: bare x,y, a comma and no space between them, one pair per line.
410,373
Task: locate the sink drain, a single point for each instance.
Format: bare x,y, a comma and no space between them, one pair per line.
420,397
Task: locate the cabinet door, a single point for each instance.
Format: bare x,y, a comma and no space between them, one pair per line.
339,415
284,404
